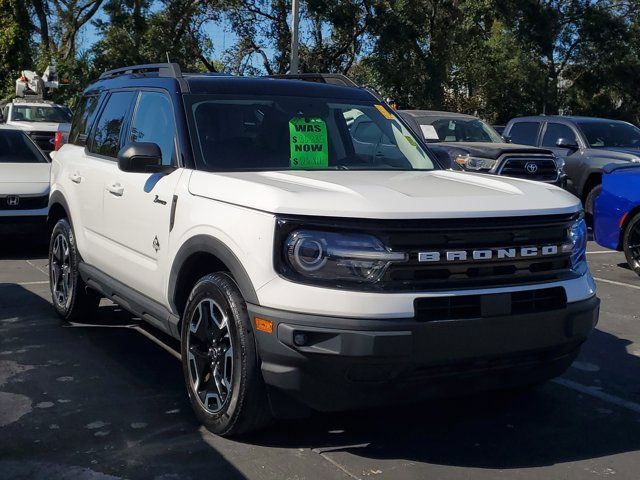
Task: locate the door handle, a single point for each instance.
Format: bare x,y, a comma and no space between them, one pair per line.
75,177
115,189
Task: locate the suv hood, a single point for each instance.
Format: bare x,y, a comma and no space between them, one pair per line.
384,194
24,178
489,149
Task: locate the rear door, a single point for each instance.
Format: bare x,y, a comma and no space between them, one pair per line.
137,206
103,145
525,132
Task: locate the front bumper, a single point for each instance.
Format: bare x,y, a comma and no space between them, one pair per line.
23,225
346,363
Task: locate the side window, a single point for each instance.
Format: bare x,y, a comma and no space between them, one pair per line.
367,132
154,122
83,119
555,131
106,138
525,133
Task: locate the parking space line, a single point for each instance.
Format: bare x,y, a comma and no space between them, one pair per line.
41,282
599,394
613,282
602,251
37,267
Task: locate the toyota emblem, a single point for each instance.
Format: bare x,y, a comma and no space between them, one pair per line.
531,167
13,200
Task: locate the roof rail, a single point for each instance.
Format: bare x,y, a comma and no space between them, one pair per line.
171,70
330,78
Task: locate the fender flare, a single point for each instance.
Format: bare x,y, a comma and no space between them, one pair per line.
213,246
58,198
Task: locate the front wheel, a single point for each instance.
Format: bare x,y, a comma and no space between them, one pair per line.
219,361
589,203
72,299
631,243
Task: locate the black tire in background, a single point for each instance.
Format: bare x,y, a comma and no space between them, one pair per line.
589,203
219,360
72,300
631,243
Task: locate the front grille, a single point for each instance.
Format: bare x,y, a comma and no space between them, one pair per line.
44,140
24,203
488,305
539,168
416,236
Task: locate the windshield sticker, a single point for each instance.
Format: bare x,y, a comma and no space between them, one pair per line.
429,132
308,141
385,113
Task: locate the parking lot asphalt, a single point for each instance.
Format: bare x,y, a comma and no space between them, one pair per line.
105,402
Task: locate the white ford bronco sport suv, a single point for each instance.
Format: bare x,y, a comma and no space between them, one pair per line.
235,215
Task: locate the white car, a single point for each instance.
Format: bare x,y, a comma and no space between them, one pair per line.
40,119
24,183
235,215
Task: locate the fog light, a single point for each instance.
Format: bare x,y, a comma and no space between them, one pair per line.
300,339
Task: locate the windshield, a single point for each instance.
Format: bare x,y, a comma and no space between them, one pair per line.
610,134
457,130
40,113
265,133
16,147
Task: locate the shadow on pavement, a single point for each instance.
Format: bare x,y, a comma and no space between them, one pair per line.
104,399
30,247
108,399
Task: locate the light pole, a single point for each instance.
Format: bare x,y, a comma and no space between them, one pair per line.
295,18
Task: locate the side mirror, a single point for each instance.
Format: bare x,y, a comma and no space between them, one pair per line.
141,157
506,138
566,143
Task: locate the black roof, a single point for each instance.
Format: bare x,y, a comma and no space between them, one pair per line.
170,77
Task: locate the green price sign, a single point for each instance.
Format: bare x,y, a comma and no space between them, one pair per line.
308,141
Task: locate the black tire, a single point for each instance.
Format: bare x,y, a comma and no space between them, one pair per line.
631,243
79,304
234,401
589,202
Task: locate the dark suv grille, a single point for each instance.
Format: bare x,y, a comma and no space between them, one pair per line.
479,306
531,168
24,203
44,140
445,235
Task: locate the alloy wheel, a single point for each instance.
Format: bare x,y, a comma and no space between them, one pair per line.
210,355
61,271
633,246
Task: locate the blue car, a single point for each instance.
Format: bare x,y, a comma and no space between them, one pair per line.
617,211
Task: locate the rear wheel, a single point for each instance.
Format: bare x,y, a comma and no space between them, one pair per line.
631,243
72,299
219,360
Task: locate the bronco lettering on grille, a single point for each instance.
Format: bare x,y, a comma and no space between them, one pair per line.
487,254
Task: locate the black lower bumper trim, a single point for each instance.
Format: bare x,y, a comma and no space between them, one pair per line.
332,363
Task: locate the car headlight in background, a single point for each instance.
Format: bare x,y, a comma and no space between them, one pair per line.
577,242
475,163
330,256
559,163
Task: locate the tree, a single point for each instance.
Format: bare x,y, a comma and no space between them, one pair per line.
16,51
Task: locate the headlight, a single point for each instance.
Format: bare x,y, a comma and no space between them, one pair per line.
577,242
475,163
559,163
330,256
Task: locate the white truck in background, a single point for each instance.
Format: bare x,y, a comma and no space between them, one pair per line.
41,119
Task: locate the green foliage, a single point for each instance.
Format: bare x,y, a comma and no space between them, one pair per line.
494,58
16,49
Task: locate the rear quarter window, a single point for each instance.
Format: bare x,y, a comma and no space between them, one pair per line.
83,119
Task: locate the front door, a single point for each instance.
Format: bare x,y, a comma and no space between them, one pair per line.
137,206
554,132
